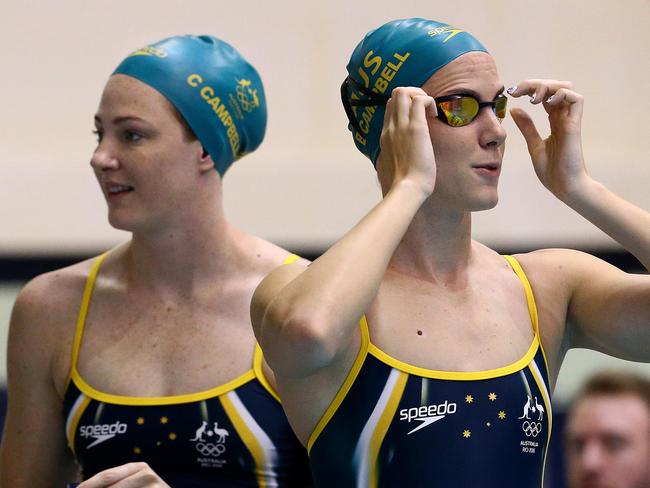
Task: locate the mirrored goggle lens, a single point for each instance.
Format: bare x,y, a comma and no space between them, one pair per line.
459,111
501,107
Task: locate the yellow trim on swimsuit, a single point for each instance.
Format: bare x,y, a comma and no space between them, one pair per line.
83,312
530,297
258,357
347,384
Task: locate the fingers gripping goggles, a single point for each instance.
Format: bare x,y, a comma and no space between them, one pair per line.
453,110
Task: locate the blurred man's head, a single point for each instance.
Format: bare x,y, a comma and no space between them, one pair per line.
608,433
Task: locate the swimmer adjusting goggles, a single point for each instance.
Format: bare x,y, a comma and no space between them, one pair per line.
453,110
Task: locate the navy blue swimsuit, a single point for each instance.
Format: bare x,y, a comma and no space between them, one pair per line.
233,435
394,424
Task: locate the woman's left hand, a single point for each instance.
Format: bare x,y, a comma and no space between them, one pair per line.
131,475
558,159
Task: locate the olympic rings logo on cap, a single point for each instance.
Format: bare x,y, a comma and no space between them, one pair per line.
531,429
209,449
247,97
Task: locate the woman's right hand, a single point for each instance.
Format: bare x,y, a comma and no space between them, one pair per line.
405,141
131,475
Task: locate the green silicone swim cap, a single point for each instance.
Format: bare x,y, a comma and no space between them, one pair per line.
403,52
218,93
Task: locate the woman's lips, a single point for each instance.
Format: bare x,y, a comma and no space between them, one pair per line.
487,169
116,190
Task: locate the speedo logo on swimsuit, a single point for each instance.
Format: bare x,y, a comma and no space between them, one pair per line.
427,414
102,432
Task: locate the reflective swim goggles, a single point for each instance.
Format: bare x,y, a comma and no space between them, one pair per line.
460,110
453,110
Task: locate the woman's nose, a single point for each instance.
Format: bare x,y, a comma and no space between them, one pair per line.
494,134
103,159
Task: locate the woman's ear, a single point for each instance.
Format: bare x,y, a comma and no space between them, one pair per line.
205,161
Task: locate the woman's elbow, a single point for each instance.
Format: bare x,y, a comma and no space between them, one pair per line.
291,336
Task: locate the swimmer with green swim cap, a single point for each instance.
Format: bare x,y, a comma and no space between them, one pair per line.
408,353
164,364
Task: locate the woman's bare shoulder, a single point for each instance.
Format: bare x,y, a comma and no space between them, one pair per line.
269,255
45,312
53,291
43,319
555,263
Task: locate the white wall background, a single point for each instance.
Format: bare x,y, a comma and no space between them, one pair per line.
307,184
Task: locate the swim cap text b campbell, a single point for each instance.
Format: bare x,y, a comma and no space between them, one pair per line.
404,52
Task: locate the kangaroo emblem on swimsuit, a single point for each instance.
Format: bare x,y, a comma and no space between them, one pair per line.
528,407
220,433
539,408
200,431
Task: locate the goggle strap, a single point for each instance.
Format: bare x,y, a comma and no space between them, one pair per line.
348,107
373,98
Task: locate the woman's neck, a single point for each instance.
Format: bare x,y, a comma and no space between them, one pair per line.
437,245
186,255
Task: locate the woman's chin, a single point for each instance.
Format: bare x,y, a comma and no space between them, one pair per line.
486,203
121,222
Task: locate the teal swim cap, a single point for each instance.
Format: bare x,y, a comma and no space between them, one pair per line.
218,93
403,52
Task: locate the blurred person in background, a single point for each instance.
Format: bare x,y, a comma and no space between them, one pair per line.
608,433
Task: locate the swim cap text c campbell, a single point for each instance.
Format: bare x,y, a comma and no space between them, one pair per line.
218,93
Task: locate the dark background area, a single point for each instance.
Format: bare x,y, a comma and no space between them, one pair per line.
23,268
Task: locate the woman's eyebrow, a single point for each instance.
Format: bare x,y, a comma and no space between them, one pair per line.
120,119
460,91
127,118
469,91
